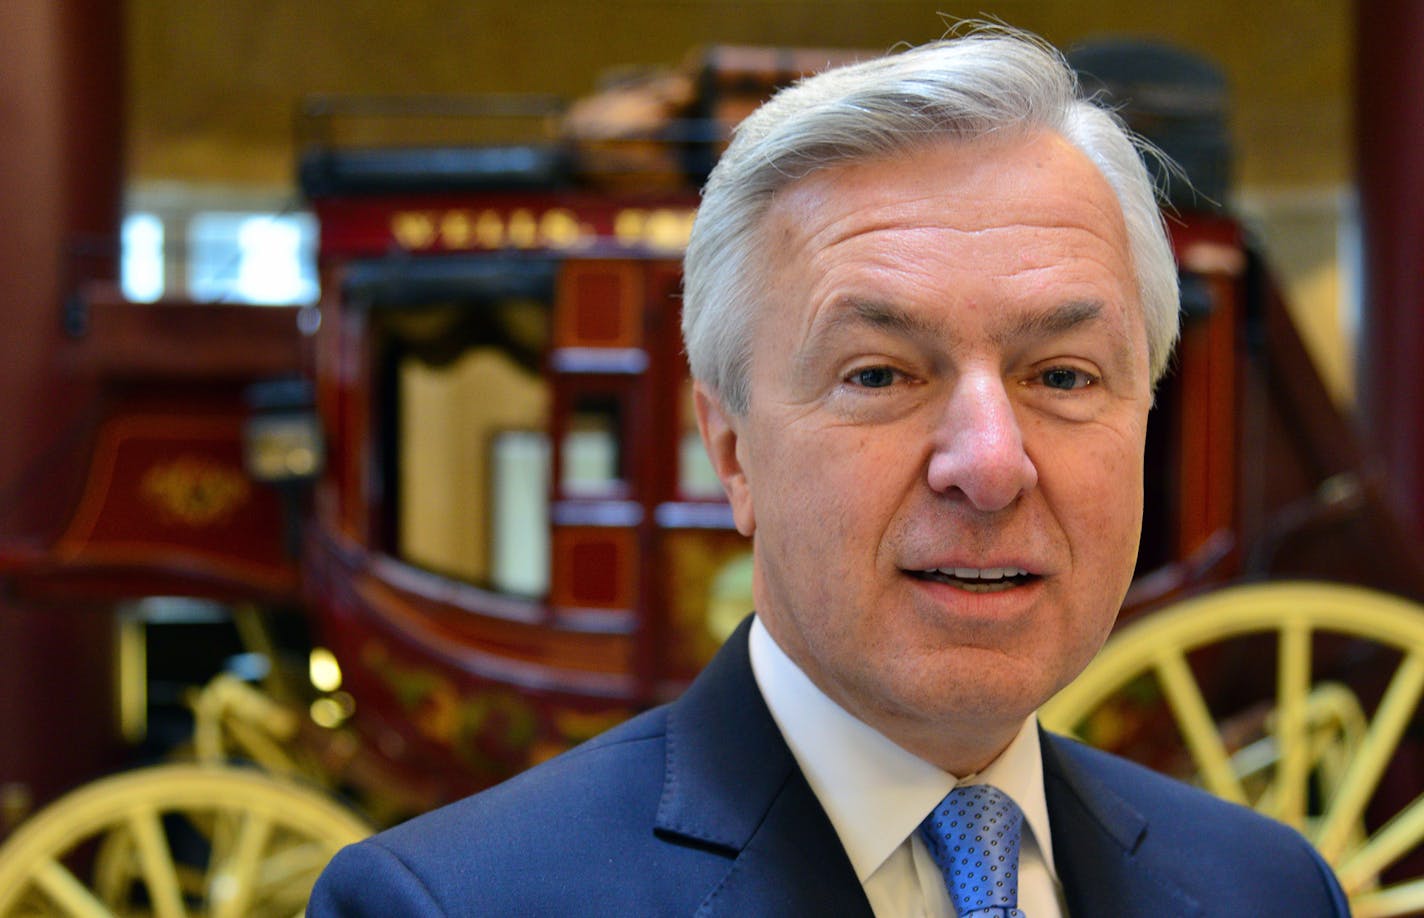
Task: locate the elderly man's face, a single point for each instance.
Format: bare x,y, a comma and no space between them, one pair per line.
941,463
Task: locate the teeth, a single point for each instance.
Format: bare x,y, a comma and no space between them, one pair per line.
981,573
984,586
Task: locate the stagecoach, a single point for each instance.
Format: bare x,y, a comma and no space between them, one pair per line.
461,510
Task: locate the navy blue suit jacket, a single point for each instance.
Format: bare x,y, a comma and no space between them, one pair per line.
699,808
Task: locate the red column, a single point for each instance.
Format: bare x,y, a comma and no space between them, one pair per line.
1389,136
61,108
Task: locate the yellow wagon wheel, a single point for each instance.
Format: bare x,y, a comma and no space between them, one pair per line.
1321,758
172,841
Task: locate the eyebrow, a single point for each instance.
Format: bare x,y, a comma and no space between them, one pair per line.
897,321
885,317
1049,323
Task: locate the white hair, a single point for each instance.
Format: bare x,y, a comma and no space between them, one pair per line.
990,80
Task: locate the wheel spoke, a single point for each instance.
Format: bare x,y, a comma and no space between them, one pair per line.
1403,899
296,863
68,893
243,829
1396,838
158,870
1322,765
1292,740
1197,726
231,888
1395,710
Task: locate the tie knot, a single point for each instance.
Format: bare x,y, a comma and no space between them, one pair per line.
973,835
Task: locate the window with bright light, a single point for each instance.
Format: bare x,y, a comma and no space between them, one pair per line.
141,265
252,258
215,244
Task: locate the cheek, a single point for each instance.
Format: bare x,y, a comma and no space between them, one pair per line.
1100,503
824,489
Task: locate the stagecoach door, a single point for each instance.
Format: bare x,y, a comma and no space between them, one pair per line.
641,534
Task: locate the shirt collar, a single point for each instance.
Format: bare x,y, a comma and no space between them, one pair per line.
875,792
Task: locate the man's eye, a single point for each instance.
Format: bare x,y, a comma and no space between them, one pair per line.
1066,378
873,377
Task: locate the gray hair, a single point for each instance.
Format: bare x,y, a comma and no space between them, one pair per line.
990,80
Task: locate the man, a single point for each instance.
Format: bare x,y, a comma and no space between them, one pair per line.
927,299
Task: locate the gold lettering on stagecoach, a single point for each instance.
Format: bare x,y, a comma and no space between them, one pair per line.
561,228
489,230
628,225
413,229
456,231
195,491
669,230
662,229
523,229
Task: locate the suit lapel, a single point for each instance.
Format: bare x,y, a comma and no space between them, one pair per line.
731,785
1097,842
732,788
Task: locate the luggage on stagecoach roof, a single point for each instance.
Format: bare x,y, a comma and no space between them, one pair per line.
643,128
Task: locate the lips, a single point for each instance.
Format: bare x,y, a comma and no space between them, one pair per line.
977,579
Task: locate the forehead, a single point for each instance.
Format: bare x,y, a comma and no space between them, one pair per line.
980,185
1022,218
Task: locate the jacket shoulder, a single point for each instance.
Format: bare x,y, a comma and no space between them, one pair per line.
535,844
1211,846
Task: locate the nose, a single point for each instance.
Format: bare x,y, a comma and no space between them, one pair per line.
978,446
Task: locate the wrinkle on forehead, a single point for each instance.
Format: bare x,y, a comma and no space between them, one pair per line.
801,214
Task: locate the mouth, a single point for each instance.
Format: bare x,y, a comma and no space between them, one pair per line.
978,579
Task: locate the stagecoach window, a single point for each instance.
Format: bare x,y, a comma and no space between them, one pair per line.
471,414
591,455
519,516
696,479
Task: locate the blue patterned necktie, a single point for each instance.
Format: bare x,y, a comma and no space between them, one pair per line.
973,835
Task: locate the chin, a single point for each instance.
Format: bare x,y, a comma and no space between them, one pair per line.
996,702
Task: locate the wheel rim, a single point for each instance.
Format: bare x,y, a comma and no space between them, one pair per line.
1322,757
175,840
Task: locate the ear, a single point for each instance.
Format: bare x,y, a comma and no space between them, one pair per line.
719,435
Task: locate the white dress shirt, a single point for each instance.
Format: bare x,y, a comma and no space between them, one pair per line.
876,794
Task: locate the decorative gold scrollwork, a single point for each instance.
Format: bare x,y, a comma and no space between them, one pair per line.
195,491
